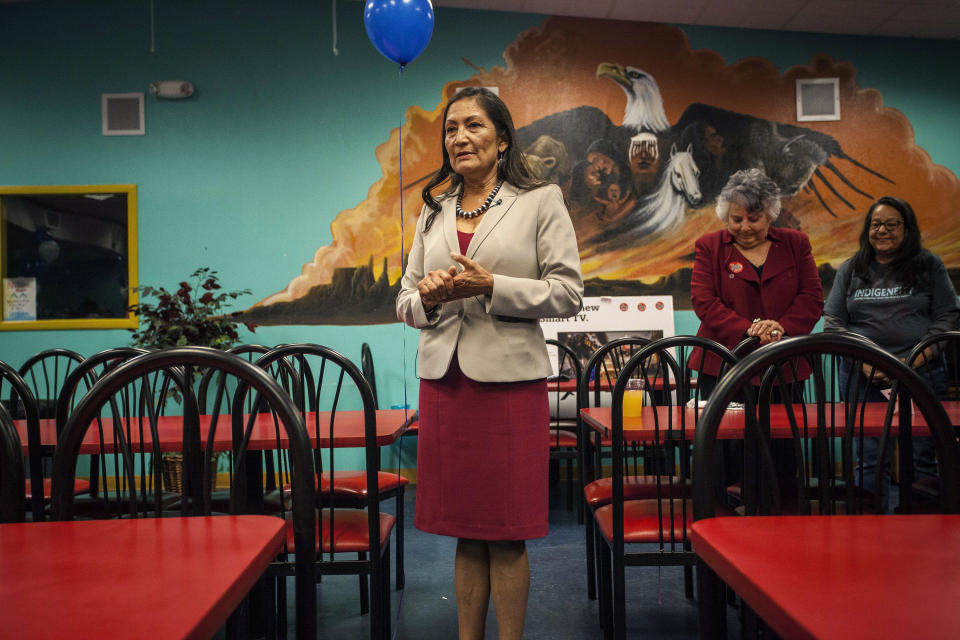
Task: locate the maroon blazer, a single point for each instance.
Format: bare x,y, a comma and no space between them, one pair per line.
727,294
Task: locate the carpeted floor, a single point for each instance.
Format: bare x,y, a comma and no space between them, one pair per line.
558,606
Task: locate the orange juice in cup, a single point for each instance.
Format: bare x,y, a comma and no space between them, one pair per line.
633,398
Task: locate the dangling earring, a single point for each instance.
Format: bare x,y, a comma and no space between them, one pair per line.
500,161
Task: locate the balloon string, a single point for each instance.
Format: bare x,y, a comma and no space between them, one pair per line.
406,403
403,327
153,32
334,21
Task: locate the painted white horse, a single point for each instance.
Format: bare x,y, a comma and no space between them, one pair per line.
665,207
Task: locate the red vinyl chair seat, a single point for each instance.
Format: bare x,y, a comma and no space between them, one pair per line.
641,522
600,491
79,486
350,531
354,483
347,484
562,439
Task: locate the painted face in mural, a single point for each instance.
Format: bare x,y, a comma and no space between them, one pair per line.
713,141
601,168
748,229
471,141
886,232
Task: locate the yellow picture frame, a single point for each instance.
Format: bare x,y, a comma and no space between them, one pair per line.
16,199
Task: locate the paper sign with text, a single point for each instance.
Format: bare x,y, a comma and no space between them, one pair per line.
603,319
19,299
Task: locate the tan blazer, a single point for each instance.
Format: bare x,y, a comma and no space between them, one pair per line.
527,242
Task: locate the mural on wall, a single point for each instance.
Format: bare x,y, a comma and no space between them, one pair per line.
641,133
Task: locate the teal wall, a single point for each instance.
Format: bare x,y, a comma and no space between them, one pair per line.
246,176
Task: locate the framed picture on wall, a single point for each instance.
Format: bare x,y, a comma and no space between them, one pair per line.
69,257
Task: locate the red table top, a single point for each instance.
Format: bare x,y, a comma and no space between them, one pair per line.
731,426
348,431
145,578
841,576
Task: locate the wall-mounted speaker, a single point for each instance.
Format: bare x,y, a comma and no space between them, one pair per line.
818,99
122,114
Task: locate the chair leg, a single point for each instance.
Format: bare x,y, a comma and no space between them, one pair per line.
569,465
580,502
399,527
605,595
619,598
281,587
364,587
385,600
589,533
711,603
380,594
688,581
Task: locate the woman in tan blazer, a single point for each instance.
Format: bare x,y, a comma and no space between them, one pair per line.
493,253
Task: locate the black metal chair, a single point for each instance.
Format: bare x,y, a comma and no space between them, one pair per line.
366,366
348,501
22,403
391,485
45,373
663,515
213,391
596,382
78,383
565,420
128,388
823,478
12,504
937,359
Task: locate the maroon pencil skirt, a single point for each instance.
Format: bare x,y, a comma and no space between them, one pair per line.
482,458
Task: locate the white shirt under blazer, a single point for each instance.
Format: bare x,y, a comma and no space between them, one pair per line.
528,243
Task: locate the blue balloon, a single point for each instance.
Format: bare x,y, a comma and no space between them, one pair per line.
399,29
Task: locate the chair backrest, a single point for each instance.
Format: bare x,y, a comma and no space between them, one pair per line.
938,357
665,368
565,403
12,487
83,376
215,395
45,373
604,365
22,403
125,475
825,436
333,383
130,378
746,346
366,365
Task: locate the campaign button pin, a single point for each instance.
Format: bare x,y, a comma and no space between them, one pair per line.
736,267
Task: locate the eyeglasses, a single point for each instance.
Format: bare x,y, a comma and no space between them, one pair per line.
891,225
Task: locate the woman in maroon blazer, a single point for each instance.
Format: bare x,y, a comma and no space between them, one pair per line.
750,279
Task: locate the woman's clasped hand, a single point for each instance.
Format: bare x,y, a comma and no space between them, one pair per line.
441,285
767,330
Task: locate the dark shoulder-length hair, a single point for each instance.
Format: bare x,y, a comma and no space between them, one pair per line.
907,264
511,166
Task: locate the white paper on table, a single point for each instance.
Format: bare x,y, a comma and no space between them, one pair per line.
733,406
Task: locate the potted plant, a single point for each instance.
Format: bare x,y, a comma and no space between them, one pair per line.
193,315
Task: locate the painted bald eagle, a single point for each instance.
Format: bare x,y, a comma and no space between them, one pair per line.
644,110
